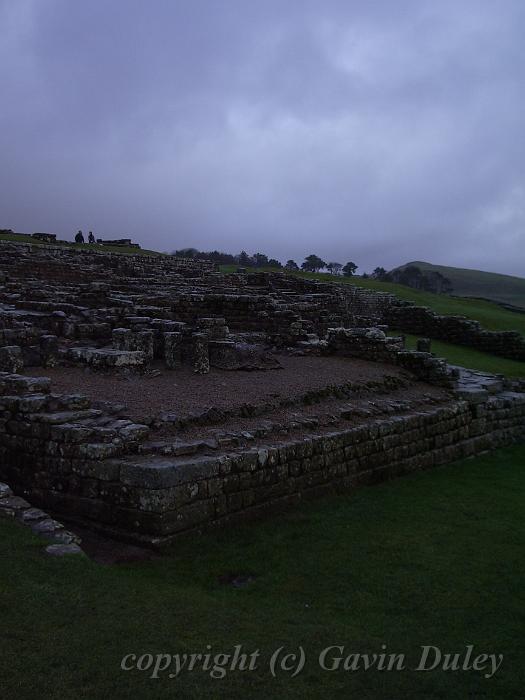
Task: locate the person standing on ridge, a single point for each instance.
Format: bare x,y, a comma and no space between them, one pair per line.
91,237
79,238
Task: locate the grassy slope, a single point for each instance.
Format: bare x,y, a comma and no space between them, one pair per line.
476,283
491,316
467,357
18,238
435,558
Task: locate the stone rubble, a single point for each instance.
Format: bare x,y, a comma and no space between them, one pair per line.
39,522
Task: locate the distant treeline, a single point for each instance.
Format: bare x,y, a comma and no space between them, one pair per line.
312,263
416,278
216,256
410,276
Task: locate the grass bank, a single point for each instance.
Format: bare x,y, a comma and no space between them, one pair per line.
473,359
436,559
124,250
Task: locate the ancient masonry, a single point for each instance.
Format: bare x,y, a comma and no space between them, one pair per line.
77,315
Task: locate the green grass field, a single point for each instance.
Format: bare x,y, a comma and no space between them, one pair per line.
435,558
124,250
476,283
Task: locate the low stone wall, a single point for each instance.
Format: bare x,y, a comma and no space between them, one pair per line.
373,344
421,320
57,442
18,509
85,464
155,500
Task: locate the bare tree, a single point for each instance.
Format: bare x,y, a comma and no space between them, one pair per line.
335,268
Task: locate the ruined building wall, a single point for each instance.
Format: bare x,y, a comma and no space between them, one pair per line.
184,290
78,461
373,345
455,329
175,497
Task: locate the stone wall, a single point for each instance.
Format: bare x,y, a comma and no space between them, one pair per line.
421,320
70,264
373,344
85,463
58,442
83,295
164,498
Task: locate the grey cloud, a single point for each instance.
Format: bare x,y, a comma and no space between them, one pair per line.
378,132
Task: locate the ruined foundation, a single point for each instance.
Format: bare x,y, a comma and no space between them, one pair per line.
189,400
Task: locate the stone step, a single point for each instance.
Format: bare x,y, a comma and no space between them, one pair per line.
17,384
177,448
152,472
108,358
64,416
472,394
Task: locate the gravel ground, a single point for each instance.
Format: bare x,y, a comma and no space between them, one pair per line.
182,391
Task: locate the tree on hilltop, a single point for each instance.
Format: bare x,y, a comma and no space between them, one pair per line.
313,263
349,269
416,278
260,260
334,267
379,273
186,253
244,259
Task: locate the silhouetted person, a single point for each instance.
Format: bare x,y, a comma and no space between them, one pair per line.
79,238
91,237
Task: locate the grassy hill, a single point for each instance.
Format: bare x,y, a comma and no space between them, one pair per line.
476,283
491,316
22,238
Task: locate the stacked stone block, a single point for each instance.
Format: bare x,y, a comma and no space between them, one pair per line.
85,463
373,344
459,330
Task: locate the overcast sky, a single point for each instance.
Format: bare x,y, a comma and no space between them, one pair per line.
379,132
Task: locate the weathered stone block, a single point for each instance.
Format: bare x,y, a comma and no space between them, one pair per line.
11,359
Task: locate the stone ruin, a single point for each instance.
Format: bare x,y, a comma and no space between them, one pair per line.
270,388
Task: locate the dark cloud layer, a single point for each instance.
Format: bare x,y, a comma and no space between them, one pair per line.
380,132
